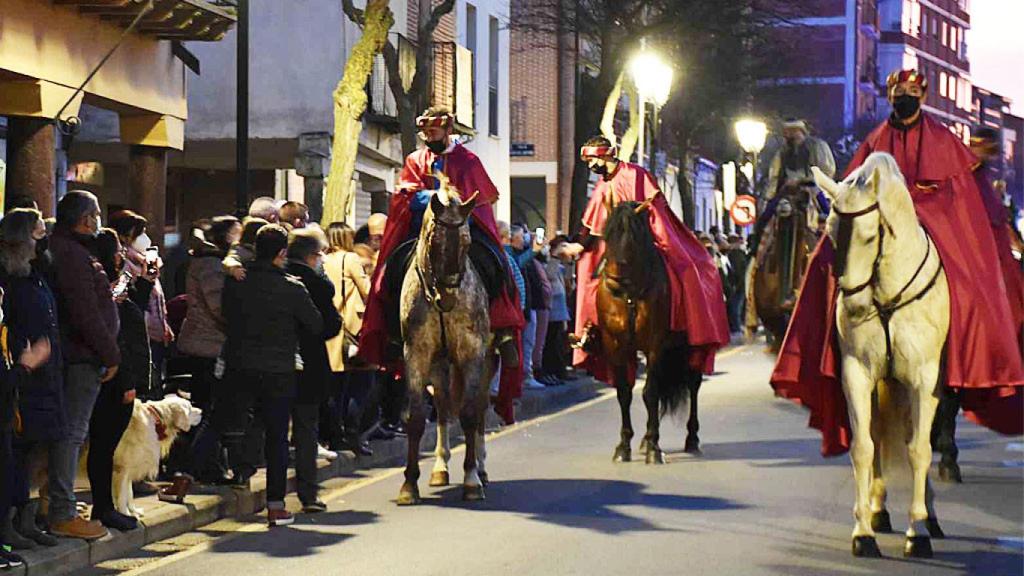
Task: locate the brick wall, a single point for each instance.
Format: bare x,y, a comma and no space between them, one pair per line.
534,94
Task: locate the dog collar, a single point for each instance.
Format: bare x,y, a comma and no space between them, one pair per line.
161,428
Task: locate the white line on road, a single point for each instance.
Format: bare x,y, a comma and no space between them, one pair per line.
1015,446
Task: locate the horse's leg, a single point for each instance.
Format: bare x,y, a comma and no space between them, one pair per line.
655,378
410,492
944,435
624,390
490,365
693,424
474,406
923,405
442,451
880,520
857,386
481,455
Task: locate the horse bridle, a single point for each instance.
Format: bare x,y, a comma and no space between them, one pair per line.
431,286
885,310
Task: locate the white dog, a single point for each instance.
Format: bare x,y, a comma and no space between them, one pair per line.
148,439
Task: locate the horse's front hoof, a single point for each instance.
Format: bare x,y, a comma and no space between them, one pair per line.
918,547
950,472
439,478
881,522
934,529
655,456
622,455
693,447
484,479
866,547
409,495
644,445
473,493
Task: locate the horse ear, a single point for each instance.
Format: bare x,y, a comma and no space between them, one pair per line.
436,205
466,208
825,183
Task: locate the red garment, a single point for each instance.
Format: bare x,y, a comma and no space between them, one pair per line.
467,174
698,303
981,353
1013,276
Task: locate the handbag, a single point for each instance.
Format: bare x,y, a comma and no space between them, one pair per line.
349,339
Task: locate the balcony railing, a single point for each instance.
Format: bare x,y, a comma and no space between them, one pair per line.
196,20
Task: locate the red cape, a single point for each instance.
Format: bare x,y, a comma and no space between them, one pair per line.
467,174
982,356
698,305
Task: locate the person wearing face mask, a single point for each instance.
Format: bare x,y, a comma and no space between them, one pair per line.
983,359
89,326
441,154
698,307
792,166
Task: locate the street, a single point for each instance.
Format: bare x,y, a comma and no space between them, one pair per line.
760,501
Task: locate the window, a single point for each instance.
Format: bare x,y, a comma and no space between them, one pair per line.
945,34
493,82
934,26
942,84
952,88
472,45
911,23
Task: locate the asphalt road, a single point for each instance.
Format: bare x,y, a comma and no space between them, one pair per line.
760,501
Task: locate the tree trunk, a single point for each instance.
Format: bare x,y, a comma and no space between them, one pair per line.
349,105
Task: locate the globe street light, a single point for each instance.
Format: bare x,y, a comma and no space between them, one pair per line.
653,80
752,135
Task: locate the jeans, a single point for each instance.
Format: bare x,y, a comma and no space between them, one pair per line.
529,341
305,421
110,419
81,387
540,341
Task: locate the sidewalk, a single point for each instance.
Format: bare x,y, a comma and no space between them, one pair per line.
162,520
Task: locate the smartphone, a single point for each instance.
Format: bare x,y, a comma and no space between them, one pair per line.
122,284
539,234
152,255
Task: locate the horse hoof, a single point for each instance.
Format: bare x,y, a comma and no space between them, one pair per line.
693,448
622,455
655,456
866,547
880,522
409,495
473,493
918,547
484,479
934,529
644,445
950,473
438,479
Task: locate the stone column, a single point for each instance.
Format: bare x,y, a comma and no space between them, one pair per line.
147,187
31,161
312,162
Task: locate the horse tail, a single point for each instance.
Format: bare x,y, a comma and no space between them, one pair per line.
674,379
891,424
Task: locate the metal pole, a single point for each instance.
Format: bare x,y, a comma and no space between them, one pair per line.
643,134
242,109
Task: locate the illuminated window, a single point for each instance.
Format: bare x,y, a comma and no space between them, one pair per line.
945,34
911,22
909,60
952,88
942,84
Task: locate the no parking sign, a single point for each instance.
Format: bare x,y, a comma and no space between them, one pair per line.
744,210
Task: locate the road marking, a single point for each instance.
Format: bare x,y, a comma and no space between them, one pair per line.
1015,446
1013,463
337,493
1011,542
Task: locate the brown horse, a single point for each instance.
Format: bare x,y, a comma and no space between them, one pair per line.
632,303
781,261
447,336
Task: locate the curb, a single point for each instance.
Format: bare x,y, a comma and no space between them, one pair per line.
162,520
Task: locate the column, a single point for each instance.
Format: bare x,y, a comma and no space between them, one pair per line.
31,162
147,187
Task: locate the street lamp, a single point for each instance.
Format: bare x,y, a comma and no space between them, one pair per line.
653,80
751,134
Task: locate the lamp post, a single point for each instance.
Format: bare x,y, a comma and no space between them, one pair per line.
653,80
752,134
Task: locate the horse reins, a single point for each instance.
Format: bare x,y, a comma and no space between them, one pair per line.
885,310
429,282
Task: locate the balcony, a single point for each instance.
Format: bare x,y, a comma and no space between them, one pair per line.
193,20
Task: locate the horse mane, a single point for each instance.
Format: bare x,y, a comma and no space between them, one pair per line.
628,237
894,202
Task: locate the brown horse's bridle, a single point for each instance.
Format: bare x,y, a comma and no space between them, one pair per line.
885,310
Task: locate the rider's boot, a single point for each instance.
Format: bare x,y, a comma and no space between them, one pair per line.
505,343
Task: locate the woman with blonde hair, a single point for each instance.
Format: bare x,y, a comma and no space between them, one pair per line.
354,379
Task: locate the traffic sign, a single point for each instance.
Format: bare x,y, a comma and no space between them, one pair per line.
744,210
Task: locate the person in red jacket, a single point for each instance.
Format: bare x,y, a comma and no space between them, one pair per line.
982,356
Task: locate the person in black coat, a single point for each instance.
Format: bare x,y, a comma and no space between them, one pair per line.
116,401
31,315
305,259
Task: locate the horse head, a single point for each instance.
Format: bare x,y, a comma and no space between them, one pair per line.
871,202
444,244
630,254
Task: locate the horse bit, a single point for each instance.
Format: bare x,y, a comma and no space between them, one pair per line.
885,310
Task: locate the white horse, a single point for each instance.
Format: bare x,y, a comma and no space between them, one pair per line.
892,318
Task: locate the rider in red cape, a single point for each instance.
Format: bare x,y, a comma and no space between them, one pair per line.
698,305
405,215
982,357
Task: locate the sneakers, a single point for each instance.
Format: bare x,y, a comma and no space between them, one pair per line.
531,384
9,559
314,507
176,492
117,521
280,517
78,527
326,454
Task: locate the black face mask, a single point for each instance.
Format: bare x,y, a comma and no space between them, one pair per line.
906,106
42,245
601,170
791,142
437,146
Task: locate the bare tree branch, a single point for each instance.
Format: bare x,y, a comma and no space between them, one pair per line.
354,14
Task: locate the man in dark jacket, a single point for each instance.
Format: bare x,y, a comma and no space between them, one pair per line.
264,313
89,327
305,257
